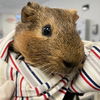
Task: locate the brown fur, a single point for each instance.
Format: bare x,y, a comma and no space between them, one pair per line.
48,53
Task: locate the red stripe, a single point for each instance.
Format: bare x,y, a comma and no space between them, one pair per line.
64,82
73,87
30,86
26,98
15,98
45,97
37,91
95,53
61,76
6,49
11,75
88,82
14,63
21,85
62,91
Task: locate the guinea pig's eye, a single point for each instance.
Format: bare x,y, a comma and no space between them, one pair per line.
46,30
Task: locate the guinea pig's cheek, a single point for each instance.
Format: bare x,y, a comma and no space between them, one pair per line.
80,66
40,37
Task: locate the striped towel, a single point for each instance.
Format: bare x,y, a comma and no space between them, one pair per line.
31,83
89,78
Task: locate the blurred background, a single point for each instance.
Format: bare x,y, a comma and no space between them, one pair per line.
88,24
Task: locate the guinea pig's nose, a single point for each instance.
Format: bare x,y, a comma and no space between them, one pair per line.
68,64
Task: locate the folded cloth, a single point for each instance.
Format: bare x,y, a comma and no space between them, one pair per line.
31,83
89,78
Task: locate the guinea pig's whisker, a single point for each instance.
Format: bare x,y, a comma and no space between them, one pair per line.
43,66
52,72
47,69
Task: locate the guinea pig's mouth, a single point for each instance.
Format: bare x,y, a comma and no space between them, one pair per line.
66,70
68,64
71,69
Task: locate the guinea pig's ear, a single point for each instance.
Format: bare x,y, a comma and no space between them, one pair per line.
29,12
74,14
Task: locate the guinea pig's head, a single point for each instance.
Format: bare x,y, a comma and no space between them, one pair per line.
47,39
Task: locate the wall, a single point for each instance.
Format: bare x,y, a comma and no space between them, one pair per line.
1,30
93,14
7,23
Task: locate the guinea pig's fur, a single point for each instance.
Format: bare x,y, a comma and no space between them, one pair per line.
60,50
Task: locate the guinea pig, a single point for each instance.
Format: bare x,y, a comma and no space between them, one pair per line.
47,39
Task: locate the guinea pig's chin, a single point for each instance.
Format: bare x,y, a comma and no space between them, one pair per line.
63,73
68,75
72,75
51,70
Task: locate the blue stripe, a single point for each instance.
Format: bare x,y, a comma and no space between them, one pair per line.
96,48
69,90
16,83
66,79
64,88
22,98
90,78
34,74
47,85
48,94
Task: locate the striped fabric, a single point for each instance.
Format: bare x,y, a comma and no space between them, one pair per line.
31,83
89,78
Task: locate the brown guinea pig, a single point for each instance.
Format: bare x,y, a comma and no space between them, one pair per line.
47,39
